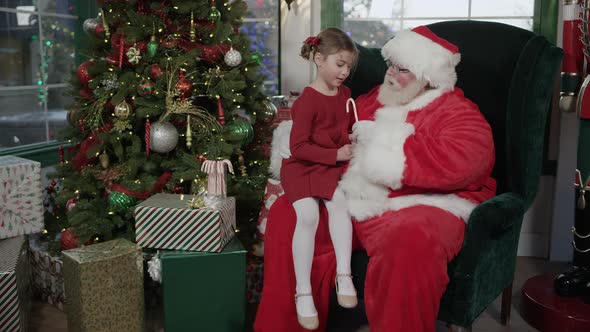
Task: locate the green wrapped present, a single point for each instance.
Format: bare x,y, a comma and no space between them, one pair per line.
166,221
104,287
205,291
15,286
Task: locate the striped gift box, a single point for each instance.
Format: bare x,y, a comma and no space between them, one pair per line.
164,222
21,197
14,285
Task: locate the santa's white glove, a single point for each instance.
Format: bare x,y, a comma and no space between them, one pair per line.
361,131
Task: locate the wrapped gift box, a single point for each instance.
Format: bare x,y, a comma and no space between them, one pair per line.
15,287
163,221
273,190
254,274
46,273
21,197
104,287
204,291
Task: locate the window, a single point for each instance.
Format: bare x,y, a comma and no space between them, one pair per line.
36,60
262,25
372,22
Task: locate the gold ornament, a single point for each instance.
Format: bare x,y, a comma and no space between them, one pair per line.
193,35
242,163
189,134
122,110
104,160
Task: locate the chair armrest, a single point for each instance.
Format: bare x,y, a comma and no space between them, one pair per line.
495,216
488,220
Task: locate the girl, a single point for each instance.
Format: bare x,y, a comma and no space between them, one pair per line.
319,150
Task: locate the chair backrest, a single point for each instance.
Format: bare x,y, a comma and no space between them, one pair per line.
509,73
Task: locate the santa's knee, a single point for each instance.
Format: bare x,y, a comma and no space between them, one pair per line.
408,244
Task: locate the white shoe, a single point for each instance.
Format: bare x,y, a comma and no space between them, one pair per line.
308,322
346,300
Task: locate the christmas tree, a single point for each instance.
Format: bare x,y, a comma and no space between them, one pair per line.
167,85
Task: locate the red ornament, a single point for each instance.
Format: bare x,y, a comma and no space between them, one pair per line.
68,240
183,85
87,94
213,53
147,136
62,159
220,114
71,203
82,72
99,30
156,71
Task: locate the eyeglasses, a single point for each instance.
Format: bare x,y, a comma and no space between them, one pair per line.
396,68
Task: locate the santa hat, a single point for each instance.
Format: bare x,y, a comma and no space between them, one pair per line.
426,55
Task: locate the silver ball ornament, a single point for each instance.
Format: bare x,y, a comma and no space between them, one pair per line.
163,137
89,26
233,58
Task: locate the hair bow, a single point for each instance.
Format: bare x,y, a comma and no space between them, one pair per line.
313,41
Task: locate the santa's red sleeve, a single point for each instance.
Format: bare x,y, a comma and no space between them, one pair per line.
443,148
302,148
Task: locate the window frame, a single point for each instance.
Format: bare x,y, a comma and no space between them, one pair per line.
544,16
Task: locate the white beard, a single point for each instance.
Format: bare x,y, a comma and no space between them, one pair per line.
392,95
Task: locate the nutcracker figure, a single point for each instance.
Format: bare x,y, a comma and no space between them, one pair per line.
575,97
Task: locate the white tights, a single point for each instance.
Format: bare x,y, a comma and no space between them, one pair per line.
340,225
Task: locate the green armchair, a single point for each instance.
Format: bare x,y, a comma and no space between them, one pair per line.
510,73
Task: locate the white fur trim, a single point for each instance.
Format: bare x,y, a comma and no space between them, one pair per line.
362,210
279,148
423,57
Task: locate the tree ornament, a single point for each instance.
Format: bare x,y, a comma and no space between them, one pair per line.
163,137
156,71
192,33
82,73
239,131
89,26
189,133
256,57
99,30
233,57
169,42
267,113
214,13
72,116
145,87
184,86
122,110
68,240
104,160
152,47
120,202
133,55
71,203
105,24
147,136
220,114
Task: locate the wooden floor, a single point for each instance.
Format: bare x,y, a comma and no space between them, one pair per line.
46,318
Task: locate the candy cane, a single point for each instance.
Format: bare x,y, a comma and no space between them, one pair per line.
350,100
216,183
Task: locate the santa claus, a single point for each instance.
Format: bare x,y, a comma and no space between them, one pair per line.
423,156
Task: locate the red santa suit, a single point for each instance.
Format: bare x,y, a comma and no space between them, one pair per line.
417,173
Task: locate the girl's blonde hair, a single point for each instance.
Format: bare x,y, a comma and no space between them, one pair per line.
327,42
